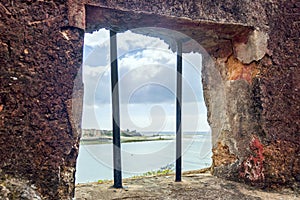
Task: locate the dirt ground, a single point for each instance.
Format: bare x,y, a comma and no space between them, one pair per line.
193,186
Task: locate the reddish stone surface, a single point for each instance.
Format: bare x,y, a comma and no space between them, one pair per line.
222,156
253,168
280,96
38,68
238,70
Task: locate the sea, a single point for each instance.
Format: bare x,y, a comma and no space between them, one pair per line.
95,162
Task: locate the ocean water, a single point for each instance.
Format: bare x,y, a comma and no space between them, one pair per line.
95,161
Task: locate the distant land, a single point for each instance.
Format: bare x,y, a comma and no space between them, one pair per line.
96,136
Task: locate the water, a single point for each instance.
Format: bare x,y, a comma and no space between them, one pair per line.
95,161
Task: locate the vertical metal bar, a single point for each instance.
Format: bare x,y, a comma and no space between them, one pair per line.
178,112
115,111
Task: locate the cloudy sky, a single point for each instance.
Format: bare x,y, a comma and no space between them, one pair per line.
147,81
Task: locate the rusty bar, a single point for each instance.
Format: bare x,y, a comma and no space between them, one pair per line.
178,112
115,111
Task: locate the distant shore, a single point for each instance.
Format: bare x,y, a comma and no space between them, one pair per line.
95,136
124,139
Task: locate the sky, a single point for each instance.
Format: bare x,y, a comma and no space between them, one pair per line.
147,84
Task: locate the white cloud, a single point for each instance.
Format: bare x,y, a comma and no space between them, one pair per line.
147,71
129,41
96,38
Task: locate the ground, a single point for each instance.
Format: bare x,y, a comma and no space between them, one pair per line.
195,185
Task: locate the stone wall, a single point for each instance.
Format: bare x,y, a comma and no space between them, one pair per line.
40,57
255,123
280,96
259,140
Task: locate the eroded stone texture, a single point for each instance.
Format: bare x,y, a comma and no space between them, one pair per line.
222,155
13,188
237,70
214,37
261,105
280,96
39,62
253,102
254,49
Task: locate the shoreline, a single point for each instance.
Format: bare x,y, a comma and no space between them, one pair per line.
206,170
124,139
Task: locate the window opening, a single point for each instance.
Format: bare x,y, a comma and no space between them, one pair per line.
95,130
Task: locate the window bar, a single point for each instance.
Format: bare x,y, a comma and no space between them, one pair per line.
178,112
115,111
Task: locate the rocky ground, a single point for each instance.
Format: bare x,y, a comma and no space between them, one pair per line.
195,185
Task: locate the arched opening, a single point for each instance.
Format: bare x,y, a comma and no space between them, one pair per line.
147,68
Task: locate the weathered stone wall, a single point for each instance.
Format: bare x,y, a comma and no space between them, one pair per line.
255,124
259,140
280,94
39,57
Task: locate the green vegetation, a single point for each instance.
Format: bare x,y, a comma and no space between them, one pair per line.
159,172
155,173
100,181
169,169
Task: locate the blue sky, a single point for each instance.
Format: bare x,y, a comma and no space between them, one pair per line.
147,81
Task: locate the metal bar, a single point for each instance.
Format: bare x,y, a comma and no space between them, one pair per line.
115,111
178,112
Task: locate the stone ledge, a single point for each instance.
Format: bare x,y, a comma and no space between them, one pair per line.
193,186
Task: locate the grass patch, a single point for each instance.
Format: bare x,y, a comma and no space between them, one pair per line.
155,173
168,169
101,181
